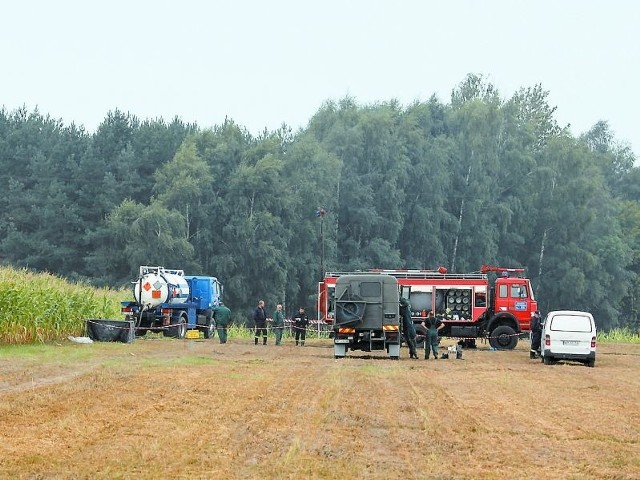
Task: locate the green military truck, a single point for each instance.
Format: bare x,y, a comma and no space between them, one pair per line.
367,316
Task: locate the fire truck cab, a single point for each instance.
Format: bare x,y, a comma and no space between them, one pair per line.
471,305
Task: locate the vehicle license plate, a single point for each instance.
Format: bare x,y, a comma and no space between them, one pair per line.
342,340
570,342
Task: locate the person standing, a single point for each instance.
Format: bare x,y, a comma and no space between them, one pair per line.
408,328
260,321
277,323
300,323
535,328
222,316
433,326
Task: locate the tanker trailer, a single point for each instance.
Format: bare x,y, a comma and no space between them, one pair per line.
166,300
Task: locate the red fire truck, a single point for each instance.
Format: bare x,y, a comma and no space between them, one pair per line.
471,305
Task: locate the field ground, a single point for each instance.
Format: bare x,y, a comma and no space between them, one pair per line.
161,408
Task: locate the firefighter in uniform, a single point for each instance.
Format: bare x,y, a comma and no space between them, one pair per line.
300,322
222,316
536,334
433,325
408,329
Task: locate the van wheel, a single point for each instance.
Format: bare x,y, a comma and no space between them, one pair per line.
547,360
503,338
591,363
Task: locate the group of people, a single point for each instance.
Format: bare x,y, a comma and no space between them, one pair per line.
300,324
432,325
222,316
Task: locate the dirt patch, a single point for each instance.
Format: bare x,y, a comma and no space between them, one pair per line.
198,409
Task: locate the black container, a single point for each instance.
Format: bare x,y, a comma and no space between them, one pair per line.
101,330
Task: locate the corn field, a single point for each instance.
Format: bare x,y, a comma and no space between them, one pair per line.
42,307
619,335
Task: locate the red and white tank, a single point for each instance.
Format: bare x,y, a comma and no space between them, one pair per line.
158,285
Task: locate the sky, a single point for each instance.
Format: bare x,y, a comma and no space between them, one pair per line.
265,63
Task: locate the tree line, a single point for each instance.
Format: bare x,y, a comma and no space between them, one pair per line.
477,180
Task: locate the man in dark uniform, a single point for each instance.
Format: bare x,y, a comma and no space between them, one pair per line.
408,328
222,316
300,322
433,325
536,334
260,320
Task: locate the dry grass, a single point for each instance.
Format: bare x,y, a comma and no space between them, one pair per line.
197,409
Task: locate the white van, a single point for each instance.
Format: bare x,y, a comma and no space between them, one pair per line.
568,335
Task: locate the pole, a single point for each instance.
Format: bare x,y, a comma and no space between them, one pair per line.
322,247
320,213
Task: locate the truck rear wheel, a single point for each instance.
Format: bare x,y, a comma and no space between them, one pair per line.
503,338
178,328
210,328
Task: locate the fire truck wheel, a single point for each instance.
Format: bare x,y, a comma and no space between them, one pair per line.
140,332
503,338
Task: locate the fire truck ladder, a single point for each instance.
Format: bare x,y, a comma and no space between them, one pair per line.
414,274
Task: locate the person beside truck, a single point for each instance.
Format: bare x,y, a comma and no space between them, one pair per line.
222,316
408,328
535,328
433,326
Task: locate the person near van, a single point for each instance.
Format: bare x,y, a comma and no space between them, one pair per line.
408,328
535,328
277,322
260,321
433,326
300,323
222,316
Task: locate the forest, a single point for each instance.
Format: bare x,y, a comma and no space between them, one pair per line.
479,179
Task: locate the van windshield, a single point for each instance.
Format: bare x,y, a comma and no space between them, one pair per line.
570,323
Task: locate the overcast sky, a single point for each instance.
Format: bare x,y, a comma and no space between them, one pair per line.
264,63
